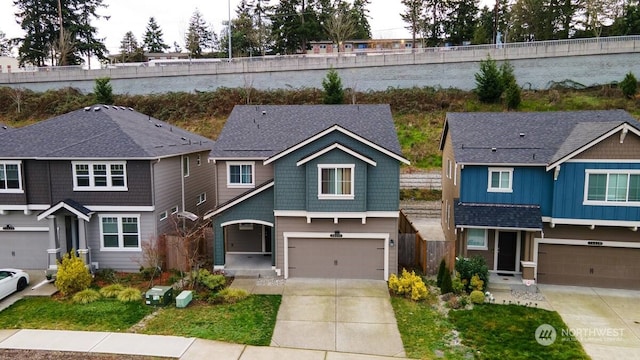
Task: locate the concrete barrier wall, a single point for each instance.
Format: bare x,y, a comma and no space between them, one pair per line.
536,64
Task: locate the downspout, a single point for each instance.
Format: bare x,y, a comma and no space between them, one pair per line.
182,192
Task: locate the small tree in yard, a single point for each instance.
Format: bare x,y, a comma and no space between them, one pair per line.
103,91
512,93
333,91
629,85
187,241
489,84
73,275
441,269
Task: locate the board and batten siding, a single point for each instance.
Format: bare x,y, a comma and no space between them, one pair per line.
569,194
263,173
120,260
373,225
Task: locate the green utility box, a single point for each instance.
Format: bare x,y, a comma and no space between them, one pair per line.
159,296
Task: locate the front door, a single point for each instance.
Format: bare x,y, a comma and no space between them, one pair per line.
507,251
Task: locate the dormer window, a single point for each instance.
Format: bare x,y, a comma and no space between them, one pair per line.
10,177
99,176
500,180
336,181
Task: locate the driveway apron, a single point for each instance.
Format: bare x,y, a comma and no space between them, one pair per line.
605,321
340,315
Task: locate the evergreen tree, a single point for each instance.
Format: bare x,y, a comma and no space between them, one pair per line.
130,51
413,16
629,85
198,38
461,20
489,85
5,45
332,85
360,18
483,33
441,270
103,92
285,23
152,41
434,20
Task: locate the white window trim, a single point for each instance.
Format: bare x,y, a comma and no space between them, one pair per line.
492,170
20,189
92,186
120,247
241,185
350,196
198,160
448,168
186,170
163,215
202,197
175,210
475,247
608,172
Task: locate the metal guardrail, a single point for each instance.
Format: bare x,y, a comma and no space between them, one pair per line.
370,52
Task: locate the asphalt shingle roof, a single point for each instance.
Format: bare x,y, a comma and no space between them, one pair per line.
498,215
265,130
546,136
101,132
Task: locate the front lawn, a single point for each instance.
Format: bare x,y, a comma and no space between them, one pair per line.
508,332
250,321
47,313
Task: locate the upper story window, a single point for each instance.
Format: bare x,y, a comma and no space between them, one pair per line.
477,239
185,165
612,187
10,177
500,180
336,181
449,168
120,232
240,174
99,176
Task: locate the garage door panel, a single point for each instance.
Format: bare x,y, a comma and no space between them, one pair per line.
589,266
336,258
23,250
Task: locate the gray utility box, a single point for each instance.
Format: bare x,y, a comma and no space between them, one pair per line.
159,296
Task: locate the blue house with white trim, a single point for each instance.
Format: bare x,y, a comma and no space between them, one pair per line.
554,196
311,188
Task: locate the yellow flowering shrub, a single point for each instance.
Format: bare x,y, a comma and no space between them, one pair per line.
408,285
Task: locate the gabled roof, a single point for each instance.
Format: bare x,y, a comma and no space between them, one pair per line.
530,138
100,131
70,205
498,216
238,199
261,132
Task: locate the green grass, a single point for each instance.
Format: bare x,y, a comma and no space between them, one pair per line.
47,313
250,321
508,332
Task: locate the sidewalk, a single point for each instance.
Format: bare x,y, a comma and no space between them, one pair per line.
162,346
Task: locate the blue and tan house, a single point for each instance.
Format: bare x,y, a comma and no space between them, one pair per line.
102,180
314,189
553,196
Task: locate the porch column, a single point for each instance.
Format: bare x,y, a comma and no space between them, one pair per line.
53,252
83,250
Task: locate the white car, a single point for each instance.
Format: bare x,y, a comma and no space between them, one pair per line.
12,280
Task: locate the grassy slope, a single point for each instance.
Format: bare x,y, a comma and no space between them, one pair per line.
418,113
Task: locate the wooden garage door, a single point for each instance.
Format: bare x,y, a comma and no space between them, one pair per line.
23,250
589,266
337,258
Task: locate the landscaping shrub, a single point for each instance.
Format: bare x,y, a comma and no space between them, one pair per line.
476,283
454,303
332,85
103,91
629,85
489,85
467,267
456,285
129,294
408,285
232,295
210,281
447,285
477,297
512,96
73,275
111,291
441,269
86,296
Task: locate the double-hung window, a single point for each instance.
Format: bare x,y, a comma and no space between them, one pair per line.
99,176
612,187
500,180
240,174
120,232
336,181
10,177
477,239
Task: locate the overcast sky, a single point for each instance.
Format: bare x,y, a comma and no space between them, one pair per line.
133,15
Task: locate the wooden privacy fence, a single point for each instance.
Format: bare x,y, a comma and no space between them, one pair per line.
178,253
415,251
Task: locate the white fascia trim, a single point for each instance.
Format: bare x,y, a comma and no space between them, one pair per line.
120,208
622,161
63,205
23,207
589,222
340,147
622,127
237,201
336,216
463,164
342,130
246,221
327,235
26,228
462,227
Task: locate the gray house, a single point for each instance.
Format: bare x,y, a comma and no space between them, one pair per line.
102,180
314,189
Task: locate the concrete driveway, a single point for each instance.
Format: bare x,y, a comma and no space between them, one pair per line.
36,287
352,316
605,321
